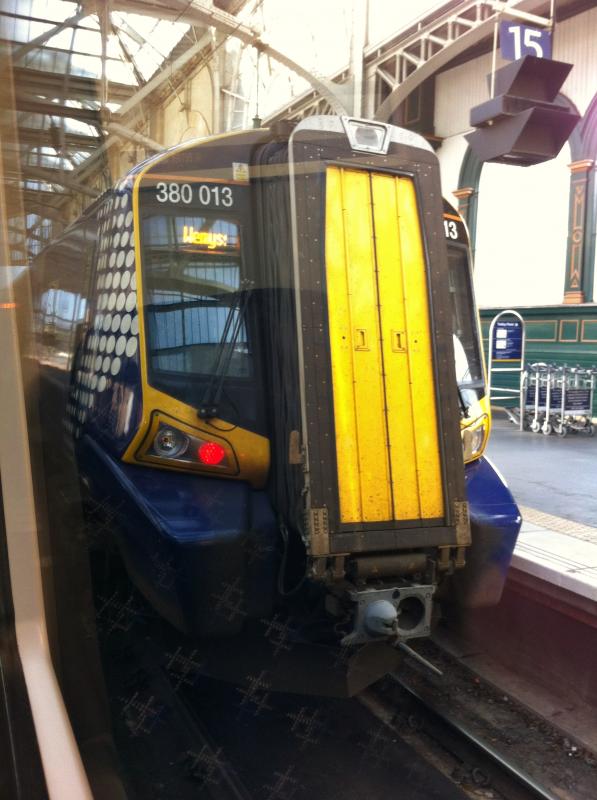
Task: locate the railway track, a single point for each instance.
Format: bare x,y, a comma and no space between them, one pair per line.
474,765
450,736
482,738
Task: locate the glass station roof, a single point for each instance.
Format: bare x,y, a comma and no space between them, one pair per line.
67,69
131,50
135,48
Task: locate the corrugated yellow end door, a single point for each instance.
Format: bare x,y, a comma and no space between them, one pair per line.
384,396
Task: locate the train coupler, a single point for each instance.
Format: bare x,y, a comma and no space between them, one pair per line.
398,612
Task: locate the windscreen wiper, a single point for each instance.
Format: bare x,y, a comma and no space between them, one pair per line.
479,384
463,406
232,327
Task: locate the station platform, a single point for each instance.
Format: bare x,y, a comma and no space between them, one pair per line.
554,481
539,644
557,550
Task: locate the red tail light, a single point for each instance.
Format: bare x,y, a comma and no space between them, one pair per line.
211,453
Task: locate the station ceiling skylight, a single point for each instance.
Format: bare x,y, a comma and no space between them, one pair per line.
136,45
75,64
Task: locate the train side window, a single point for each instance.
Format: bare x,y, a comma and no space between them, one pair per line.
466,344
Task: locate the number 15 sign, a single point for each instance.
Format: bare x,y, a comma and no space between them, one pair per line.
517,41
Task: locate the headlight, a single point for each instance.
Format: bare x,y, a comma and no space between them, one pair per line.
372,137
473,441
170,443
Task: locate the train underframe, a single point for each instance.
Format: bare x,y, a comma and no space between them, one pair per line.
209,556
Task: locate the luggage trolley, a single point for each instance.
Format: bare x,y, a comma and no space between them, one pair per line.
507,340
558,399
537,392
576,389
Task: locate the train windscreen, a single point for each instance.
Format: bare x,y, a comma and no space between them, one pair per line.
196,305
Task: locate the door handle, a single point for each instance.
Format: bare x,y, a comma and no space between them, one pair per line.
398,341
360,338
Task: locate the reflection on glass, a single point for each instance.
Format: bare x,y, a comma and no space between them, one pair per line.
192,284
469,371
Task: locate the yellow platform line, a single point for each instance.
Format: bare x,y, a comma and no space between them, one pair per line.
578,530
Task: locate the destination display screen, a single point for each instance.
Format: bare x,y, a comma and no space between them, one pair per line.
204,239
192,216
192,233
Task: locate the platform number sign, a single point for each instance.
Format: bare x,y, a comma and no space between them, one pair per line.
517,41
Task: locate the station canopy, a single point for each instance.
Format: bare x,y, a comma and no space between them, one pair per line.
74,66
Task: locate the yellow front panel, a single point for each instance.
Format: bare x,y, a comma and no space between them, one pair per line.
359,402
395,348
384,400
420,353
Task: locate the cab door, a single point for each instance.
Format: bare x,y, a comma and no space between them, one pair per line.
388,451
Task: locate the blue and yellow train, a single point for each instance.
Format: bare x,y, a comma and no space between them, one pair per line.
267,354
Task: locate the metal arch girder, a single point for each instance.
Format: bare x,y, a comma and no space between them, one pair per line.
452,46
43,210
194,13
52,85
164,74
326,89
134,136
439,59
310,102
300,108
58,178
152,85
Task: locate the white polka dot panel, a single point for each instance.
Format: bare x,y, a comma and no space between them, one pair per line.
112,340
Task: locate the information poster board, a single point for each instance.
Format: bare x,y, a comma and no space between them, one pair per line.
507,340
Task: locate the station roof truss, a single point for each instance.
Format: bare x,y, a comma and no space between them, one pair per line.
76,65
396,66
86,74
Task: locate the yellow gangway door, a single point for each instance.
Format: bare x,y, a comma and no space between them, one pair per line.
387,446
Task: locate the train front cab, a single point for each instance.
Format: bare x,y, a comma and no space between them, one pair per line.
292,398
494,516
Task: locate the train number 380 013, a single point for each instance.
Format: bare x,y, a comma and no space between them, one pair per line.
206,194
